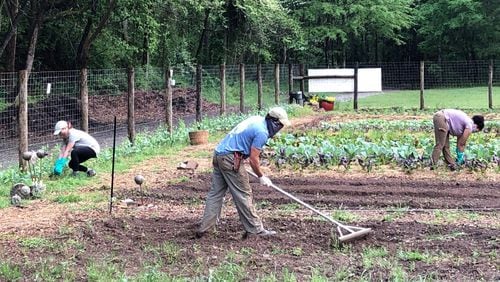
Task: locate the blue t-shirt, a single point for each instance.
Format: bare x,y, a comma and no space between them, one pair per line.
249,133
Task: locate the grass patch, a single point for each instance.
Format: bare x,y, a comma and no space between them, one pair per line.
289,207
68,198
181,179
344,216
461,98
395,213
36,243
373,256
410,255
104,271
9,272
445,237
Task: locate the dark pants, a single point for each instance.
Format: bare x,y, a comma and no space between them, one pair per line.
80,155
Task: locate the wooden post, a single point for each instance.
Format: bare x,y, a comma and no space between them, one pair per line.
490,86
84,100
222,89
277,84
168,100
422,86
22,117
302,81
130,102
356,86
290,79
198,92
242,88
259,86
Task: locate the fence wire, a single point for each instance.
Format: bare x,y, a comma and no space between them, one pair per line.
55,95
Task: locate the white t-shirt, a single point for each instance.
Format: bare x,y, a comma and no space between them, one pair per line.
82,139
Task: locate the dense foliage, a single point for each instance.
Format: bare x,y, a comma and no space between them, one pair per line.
58,34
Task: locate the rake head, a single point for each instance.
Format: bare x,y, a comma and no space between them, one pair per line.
351,233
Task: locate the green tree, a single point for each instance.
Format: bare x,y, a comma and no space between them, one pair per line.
343,30
459,29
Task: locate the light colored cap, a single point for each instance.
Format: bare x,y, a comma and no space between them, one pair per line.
280,113
59,126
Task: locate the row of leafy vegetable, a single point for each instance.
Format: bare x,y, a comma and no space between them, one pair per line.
370,143
407,125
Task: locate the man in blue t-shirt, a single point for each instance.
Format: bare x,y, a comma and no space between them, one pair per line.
244,141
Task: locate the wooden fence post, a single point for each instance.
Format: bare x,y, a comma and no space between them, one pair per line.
130,102
422,84
198,92
168,100
277,84
84,99
22,117
222,89
490,86
290,79
356,86
302,81
259,86
242,88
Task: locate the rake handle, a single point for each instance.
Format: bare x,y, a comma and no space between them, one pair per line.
305,204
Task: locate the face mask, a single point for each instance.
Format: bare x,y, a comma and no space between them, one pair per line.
273,126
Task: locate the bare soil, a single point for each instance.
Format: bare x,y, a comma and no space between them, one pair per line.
452,223
434,225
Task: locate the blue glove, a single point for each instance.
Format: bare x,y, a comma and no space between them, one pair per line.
460,157
59,165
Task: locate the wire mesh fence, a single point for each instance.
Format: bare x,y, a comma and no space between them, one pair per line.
55,95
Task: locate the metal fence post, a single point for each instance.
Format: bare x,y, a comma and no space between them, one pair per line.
259,86
168,101
422,84
242,88
302,72
490,86
84,99
356,86
130,101
22,117
222,89
277,84
198,92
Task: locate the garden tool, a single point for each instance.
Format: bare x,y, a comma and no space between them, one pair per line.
347,233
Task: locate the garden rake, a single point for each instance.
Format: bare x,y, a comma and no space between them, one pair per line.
347,233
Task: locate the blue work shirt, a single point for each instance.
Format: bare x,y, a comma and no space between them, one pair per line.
249,133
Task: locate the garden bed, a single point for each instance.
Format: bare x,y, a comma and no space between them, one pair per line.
427,225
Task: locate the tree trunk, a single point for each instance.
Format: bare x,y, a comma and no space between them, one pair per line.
88,37
145,50
203,33
36,25
14,18
11,46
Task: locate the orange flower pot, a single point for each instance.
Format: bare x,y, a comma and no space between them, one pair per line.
328,106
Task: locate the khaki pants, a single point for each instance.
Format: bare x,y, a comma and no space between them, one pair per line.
442,137
224,178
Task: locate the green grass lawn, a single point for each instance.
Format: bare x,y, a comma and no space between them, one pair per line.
462,98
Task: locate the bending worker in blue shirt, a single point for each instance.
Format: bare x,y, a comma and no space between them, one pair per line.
246,140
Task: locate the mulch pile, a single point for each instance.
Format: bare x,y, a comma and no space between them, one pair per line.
149,106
